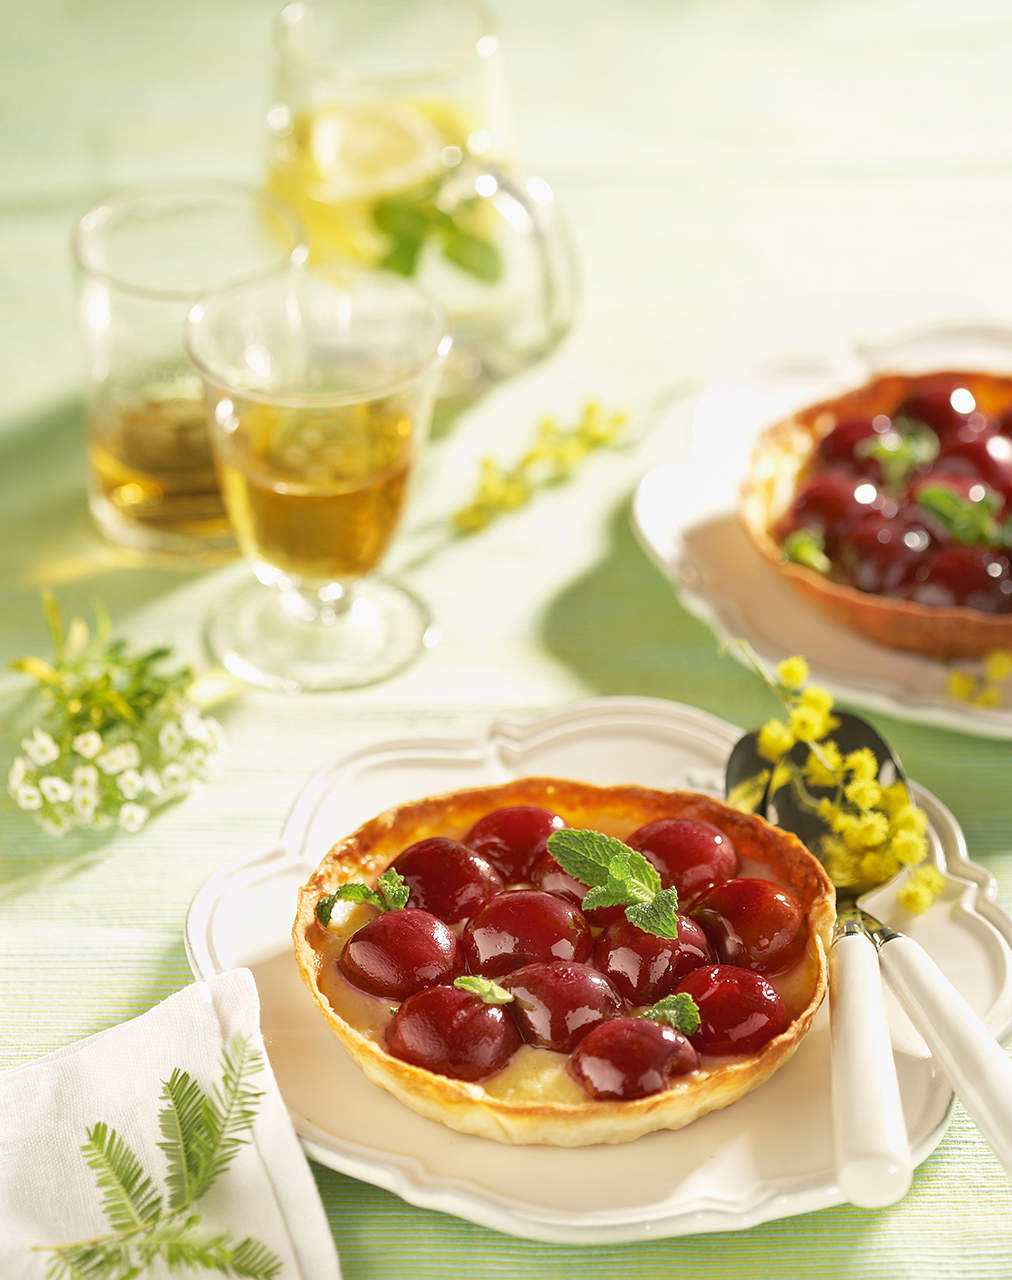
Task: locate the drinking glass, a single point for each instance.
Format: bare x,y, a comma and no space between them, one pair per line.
144,256
319,387
388,133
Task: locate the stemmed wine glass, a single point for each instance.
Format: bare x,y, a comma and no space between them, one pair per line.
319,387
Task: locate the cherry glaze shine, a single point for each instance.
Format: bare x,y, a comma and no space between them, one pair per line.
522,926
688,854
548,875
753,923
452,1033
739,1011
557,1003
447,879
643,967
631,1058
399,952
513,838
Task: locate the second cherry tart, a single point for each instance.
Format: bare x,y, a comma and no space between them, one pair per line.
643,967
522,926
556,1004
631,1058
399,952
453,1033
753,923
447,878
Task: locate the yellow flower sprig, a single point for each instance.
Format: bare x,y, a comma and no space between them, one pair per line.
874,830
552,456
984,686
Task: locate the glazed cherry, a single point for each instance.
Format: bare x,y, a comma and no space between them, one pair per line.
557,1003
946,408
739,1010
447,879
688,854
972,576
513,838
548,875
631,1058
832,501
522,926
399,952
984,455
882,555
844,446
753,923
452,1033
643,967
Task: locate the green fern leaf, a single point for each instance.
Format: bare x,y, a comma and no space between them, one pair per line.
228,1114
183,1244
255,1260
107,1260
130,1200
180,1121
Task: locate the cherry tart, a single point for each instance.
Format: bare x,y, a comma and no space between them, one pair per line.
889,509
525,1021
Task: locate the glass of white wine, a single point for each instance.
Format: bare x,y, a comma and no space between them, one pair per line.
319,387
389,135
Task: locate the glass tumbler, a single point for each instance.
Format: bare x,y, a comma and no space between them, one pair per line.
144,256
389,134
320,386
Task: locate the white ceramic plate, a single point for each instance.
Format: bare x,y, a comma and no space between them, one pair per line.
685,513
768,1156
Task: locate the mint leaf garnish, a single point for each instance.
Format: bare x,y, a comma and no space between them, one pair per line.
410,220
487,991
391,893
807,547
907,448
967,522
618,876
658,916
679,1011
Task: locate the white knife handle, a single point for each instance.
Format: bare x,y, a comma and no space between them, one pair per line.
969,1057
872,1151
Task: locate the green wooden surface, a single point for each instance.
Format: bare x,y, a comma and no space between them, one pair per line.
743,180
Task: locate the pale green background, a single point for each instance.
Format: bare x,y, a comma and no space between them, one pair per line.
744,179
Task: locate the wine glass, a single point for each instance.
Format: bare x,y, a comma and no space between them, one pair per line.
319,387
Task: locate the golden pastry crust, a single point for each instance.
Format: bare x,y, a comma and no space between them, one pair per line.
779,456
471,1108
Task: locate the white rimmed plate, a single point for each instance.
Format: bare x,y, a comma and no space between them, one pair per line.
685,514
768,1156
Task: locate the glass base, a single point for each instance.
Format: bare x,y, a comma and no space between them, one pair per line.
211,545
294,642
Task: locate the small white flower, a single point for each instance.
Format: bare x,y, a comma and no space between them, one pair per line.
130,783
152,781
56,826
40,748
55,789
18,773
88,744
176,778
125,756
133,816
170,737
85,778
84,804
28,797
194,725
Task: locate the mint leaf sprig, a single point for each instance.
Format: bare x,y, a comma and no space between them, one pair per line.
487,991
906,448
617,876
201,1133
412,219
808,547
968,522
391,894
679,1011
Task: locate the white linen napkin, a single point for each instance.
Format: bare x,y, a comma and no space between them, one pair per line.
48,1194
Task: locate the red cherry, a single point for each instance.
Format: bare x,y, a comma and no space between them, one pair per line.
947,408
522,926
643,967
882,555
739,1011
833,501
399,952
513,838
753,923
446,878
452,1033
840,447
548,875
976,577
981,455
631,1058
688,854
557,1003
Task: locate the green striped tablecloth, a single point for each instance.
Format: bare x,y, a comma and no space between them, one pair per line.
742,180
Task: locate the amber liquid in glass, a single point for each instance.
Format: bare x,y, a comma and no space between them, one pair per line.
152,463
316,495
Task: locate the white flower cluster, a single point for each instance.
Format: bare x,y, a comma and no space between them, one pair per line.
97,781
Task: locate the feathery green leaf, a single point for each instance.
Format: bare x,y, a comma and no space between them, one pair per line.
228,1114
131,1199
180,1121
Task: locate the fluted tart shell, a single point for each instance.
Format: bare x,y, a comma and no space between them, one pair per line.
527,1112
778,461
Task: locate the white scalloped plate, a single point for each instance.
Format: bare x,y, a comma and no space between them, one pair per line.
768,1156
685,514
